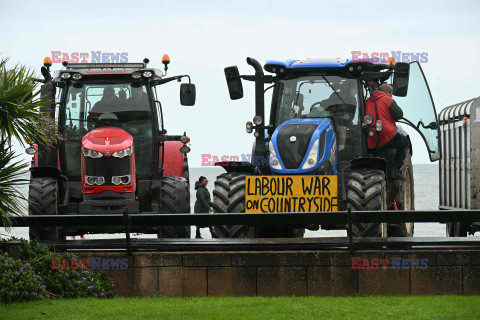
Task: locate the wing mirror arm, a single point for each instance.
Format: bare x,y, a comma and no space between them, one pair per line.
266,79
157,82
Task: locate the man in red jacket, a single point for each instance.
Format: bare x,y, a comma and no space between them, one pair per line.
388,138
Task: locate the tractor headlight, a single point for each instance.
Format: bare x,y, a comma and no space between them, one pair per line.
116,180
31,150
257,120
77,76
93,180
123,153
136,75
91,153
273,159
65,75
147,74
368,119
312,158
185,149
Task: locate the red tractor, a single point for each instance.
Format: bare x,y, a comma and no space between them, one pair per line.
115,155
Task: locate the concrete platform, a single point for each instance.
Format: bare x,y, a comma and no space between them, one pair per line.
301,273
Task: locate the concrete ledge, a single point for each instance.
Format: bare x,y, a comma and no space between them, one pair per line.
301,273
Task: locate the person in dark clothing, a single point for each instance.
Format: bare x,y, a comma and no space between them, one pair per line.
138,100
108,103
388,138
202,204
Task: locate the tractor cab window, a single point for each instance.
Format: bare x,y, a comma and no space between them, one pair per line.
96,104
331,97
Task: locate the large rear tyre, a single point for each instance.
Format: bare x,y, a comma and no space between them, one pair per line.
366,191
405,199
229,197
174,198
43,200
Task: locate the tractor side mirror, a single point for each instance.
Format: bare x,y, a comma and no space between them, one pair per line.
400,79
187,94
59,84
234,82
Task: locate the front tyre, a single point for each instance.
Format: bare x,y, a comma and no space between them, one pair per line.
366,192
43,200
174,198
229,197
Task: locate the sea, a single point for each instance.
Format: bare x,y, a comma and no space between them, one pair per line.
426,198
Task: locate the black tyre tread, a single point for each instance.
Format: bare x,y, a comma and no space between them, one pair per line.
42,200
366,191
229,197
175,198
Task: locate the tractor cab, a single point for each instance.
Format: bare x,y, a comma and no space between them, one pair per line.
115,155
316,141
334,91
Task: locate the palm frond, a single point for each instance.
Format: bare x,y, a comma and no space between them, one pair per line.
20,102
20,119
13,175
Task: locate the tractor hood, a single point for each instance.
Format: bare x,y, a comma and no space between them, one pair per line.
304,146
107,140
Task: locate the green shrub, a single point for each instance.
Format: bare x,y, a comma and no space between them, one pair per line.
19,282
39,280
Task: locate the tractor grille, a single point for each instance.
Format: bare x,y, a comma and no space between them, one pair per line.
292,153
108,167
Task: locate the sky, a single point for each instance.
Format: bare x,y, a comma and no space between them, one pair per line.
203,37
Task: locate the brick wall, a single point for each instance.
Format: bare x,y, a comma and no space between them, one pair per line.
292,273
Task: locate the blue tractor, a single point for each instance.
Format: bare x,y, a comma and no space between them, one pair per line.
312,155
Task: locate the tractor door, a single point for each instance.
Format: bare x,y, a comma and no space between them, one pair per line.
419,110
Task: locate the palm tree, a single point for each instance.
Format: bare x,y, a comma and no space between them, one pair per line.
20,120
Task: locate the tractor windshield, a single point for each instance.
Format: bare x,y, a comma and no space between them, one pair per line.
320,97
95,104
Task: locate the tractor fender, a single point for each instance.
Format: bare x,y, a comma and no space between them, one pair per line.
173,161
369,163
46,172
410,145
406,135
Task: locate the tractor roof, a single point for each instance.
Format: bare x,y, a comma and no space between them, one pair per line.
323,64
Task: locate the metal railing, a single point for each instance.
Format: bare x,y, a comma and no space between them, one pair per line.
128,221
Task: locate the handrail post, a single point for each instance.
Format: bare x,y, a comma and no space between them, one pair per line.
349,228
126,226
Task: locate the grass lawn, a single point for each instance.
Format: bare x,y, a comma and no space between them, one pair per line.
378,307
